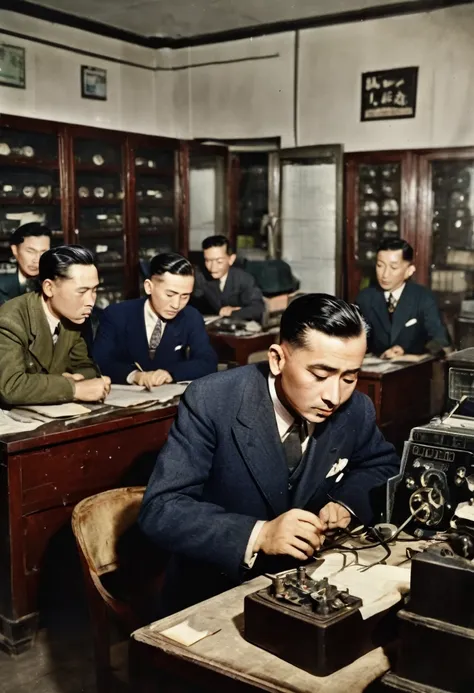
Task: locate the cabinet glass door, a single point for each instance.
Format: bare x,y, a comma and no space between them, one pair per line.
99,212
30,186
207,195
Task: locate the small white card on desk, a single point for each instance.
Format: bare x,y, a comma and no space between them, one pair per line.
186,634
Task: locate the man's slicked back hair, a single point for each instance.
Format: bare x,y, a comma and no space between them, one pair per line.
55,263
172,263
321,312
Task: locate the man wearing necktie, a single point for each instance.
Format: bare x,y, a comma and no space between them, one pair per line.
262,461
28,243
44,356
159,339
403,316
223,289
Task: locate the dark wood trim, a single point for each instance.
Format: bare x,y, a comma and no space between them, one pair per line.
407,160
383,11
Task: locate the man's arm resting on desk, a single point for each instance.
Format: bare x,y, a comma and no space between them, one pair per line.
251,302
17,386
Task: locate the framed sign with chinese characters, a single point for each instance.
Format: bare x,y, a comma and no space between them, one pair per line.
12,66
389,94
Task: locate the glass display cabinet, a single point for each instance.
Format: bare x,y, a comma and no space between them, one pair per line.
30,182
380,204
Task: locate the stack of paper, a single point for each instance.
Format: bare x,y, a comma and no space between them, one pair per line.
55,411
13,423
137,396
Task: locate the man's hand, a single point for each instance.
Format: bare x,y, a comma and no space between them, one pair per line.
93,390
151,379
77,377
226,311
393,352
334,515
296,533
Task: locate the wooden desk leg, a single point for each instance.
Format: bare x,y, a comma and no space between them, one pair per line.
17,630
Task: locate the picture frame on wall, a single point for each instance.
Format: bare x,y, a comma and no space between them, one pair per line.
389,94
93,83
12,66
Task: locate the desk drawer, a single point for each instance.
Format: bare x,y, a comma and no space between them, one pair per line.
59,474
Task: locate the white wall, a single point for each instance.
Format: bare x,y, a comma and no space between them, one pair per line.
139,99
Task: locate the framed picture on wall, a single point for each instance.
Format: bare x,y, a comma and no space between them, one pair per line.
388,94
12,66
93,83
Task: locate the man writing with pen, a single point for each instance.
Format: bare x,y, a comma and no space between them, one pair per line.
160,338
43,354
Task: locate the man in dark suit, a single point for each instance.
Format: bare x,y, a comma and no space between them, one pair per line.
155,340
223,289
403,316
28,243
263,460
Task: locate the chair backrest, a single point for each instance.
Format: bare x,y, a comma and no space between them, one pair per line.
98,523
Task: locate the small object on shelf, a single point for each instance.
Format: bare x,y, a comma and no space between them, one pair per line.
29,191
154,193
28,151
151,164
370,255
83,191
7,188
389,170
120,195
391,226
370,207
99,192
140,161
367,189
390,207
44,191
156,221
4,149
98,159
143,221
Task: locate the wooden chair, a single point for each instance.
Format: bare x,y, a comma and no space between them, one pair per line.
122,571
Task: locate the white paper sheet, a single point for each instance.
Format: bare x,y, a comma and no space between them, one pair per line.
136,396
56,411
11,423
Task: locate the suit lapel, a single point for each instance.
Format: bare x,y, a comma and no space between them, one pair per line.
403,313
256,436
41,346
322,452
137,341
381,312
228,287
169,341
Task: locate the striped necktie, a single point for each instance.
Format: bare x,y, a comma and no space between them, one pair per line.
56,333
391,304
155,339
292,444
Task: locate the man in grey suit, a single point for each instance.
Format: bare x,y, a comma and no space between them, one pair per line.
223,289
28,243
263,460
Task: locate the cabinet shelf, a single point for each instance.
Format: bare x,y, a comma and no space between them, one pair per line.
33,201
27,162
98,202
104,233
92,168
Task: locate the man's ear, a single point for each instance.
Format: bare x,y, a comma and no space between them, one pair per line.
276,359
147,285
14,251
232,258
47,288
410,271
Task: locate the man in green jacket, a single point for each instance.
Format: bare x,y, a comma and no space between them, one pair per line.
43,356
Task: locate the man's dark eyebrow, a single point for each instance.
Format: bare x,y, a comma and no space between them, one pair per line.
330,369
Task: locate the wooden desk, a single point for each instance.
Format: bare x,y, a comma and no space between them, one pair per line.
226,662
230,348
43,474
401,396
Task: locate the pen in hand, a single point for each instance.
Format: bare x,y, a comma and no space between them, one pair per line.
148,387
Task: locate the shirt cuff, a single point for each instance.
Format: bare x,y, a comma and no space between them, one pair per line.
250,555
130,377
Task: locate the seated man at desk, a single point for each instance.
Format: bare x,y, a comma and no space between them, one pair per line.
155,340
263,460
28,243
223,289
43,355
403,316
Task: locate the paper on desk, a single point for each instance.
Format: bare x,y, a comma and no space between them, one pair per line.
379,587
55,411
186,634
135,395
10,423
209,319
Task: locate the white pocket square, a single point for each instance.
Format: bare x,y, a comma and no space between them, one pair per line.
180,346
337,467
411,322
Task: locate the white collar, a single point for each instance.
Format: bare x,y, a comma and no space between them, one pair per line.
21,277
283,417
396,294
53,322
151,313
222,281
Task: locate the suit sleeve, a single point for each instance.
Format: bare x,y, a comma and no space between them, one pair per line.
437,335
174,513
17,386
251,300
202,357
372,462
80,360
109,352
198,298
